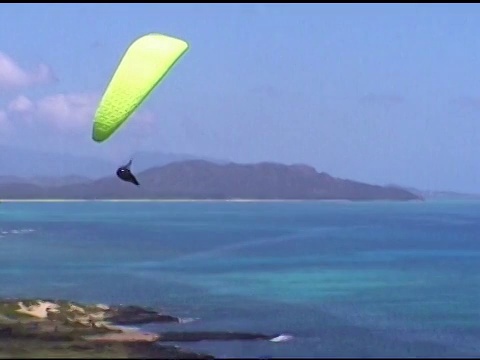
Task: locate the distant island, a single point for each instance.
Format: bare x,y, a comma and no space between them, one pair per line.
206,180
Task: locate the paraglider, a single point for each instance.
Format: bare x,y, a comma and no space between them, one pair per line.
145,63
125,174
143,66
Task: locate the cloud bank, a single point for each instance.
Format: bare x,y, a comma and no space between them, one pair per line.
13,76
61,111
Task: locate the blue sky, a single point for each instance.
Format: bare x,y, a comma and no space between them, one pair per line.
377,93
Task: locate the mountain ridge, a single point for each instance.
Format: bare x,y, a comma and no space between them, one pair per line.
203,179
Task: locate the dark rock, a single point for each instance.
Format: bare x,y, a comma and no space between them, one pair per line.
185,336
130,315
145,351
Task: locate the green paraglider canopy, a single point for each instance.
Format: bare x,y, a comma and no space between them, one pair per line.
143,66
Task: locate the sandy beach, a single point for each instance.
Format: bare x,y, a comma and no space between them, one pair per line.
166,200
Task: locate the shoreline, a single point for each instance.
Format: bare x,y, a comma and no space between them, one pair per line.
336,201
170,200
63,328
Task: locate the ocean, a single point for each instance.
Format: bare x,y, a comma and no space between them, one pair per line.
365,279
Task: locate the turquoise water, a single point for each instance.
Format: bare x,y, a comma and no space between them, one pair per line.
345,279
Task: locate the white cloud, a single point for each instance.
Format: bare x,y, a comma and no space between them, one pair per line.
21,104
68,112
12,76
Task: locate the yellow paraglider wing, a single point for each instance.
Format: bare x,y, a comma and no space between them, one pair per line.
144,65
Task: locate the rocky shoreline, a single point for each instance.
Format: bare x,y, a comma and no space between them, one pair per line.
60,328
